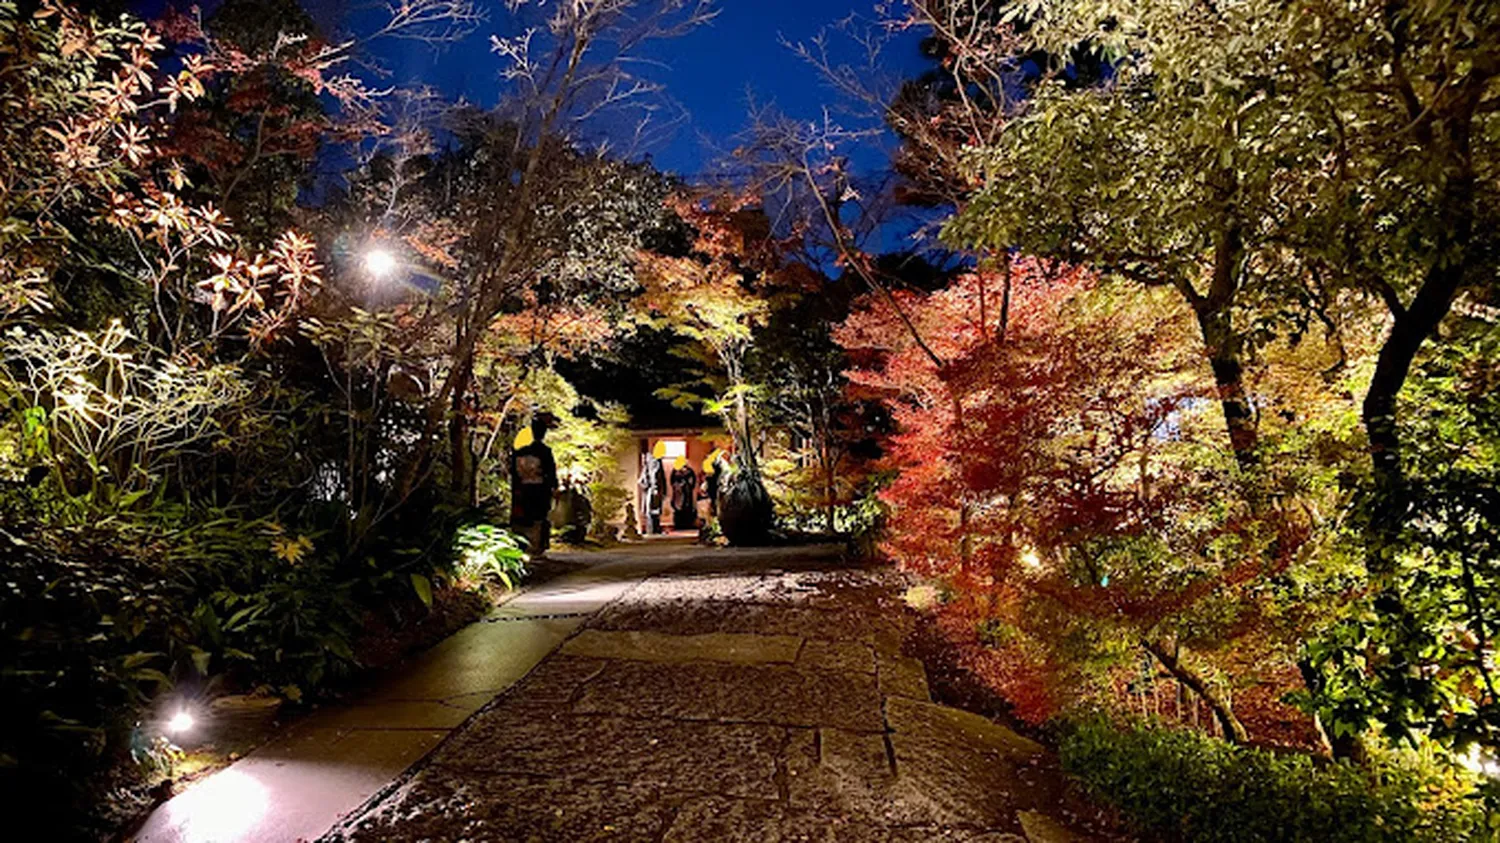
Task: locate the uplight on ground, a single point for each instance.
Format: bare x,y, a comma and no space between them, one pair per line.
380,263
181,723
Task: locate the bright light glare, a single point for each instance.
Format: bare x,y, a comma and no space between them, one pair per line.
227,807
1031,560
180,723
380,263
1481,762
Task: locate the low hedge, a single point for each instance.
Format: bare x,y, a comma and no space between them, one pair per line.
1183,785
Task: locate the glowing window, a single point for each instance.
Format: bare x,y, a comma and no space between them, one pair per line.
675,448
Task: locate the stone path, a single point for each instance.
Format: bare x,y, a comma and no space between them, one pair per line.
720,696
303,782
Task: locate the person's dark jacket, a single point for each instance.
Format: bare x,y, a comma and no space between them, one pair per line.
533,480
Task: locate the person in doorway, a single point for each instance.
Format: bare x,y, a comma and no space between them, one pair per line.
684,496
713,471
653,485
533,485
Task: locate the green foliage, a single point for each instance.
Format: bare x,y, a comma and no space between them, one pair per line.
1186,786
608,499
101,623
110,413
1417,657
485,552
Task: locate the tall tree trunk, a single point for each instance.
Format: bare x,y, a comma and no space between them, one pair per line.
1225,358
830,486
1412,327
1443,127
1234,731
1225,347
458,437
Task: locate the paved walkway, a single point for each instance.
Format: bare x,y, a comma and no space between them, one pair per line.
720,696
303,782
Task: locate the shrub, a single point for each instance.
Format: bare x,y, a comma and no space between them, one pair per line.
609,505
486,552
1188,786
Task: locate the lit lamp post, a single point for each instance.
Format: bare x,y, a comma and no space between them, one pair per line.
384,264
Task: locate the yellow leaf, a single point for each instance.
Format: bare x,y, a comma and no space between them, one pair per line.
291,550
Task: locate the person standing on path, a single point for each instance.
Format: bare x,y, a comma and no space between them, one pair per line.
653,485
533,485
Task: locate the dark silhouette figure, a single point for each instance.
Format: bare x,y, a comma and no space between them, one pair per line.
533,484
684,498
712,481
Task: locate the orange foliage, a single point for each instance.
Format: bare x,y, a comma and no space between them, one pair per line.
1042,472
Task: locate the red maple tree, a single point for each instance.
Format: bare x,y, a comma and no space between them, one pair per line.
1045,473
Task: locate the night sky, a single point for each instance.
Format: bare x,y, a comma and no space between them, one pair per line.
710,73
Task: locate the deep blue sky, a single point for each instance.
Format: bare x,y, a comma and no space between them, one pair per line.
710,72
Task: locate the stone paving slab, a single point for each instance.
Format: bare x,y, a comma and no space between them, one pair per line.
840,772
292,789
437,808
916,720
664,753
745,821
555,682
777,588
727,647
578,598
819,654
738,698
398,714
902,676
775,694
846,773
689,618
482,657
1041,828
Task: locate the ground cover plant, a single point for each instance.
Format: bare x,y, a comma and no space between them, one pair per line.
1187,786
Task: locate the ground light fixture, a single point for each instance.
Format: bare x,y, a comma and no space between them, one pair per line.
380,262
181,723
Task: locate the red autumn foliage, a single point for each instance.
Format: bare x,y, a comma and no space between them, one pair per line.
1043,474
